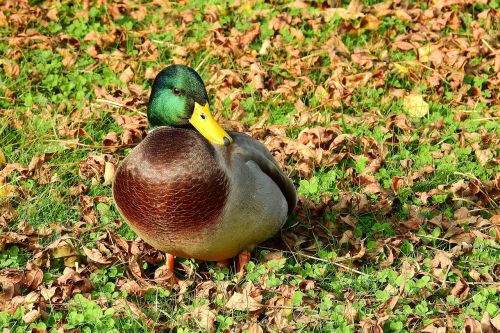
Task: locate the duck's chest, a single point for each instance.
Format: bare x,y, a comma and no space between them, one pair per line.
171,185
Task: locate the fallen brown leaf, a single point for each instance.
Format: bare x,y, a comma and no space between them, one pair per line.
127,75
472,326
243,302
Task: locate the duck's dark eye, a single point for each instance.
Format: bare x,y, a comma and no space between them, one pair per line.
203,116
176,91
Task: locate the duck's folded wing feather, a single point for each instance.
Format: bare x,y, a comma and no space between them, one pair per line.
250,149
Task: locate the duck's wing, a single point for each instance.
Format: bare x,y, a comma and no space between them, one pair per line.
249,149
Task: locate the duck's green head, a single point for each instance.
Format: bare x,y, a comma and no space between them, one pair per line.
178,99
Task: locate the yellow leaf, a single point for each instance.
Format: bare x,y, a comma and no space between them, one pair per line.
71,261
320,94
370,22
425,52
64,250
3,160
6,191
415,106
401,69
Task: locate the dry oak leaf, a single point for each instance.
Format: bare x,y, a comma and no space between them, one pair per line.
243,302
255,328
164,276
10,275
132,287
140,13
399,182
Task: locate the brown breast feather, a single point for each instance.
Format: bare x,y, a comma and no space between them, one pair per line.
171,185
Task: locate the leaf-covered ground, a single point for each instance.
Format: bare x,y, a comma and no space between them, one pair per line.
386,116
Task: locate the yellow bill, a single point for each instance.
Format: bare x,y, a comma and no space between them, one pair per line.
204,123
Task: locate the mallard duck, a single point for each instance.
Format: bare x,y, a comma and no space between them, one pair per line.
193,190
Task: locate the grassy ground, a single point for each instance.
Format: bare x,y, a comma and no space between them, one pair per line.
384,114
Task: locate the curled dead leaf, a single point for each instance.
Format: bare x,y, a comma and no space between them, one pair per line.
109,173
111,139
31,316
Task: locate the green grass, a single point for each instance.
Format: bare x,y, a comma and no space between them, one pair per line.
344,254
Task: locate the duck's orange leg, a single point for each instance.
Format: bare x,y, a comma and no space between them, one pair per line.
169,262
243,259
